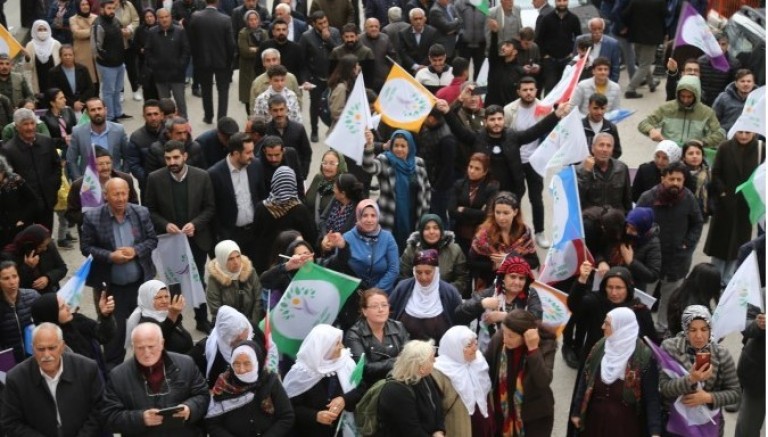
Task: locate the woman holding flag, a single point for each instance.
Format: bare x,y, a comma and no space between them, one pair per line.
248,399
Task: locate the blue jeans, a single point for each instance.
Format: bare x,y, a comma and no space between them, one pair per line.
111,85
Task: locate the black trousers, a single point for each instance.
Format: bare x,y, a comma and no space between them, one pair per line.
125,302
223,78
535,187
314,104
475,54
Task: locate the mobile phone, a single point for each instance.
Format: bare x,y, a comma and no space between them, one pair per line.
174,289
480,90
702,358
170,411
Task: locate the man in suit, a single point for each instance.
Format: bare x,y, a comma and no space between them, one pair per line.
34,158
603,46
444,17
214,142
415,41
78,391
99,131
213,47
296,27
81,88
238,182
180,200
120,237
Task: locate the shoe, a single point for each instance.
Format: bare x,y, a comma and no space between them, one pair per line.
208,120
733,408
654,84
313,137
196,92
204,326
542,241
122,97
632,95
124,116
70,237
64,244
570,357
138,96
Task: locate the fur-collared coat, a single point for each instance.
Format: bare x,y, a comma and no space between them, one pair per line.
242,294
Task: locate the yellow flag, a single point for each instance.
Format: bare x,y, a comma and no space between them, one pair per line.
403,102
8,43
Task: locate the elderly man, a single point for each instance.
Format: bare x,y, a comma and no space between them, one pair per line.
121,238
156,393
414,41
34,158
72,381
382,47
269,58
296,27
603,46
100,132
604,180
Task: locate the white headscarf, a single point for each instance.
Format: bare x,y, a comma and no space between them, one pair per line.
43,47
145,307
469,378
620,346
253,375
223,250
230,323
312,365
425,301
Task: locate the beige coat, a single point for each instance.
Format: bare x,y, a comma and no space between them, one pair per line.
81,33
458,422
31,65
129,18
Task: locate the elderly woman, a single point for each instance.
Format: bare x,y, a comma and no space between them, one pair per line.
282,210
249,39
617,393
404,187
321,190
319,383
232,281
156,305
339,214
425,304
410,403
248,399
18,200
42,54
712,383
461,374
211,354
502,233
40,264
521,359
470,197
431,234
377,336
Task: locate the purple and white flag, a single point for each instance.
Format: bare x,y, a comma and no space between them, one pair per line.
694,31
90,191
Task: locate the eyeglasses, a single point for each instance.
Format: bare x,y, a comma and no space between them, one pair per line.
165,387
381,306
329,164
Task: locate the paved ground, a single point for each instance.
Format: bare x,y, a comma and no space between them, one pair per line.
636,150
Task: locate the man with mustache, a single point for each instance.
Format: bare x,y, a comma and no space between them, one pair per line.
677,213
290,57
180,201
99,131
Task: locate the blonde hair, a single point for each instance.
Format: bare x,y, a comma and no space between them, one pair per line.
415,354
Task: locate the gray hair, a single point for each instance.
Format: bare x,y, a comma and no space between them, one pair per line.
112,181
22,115
415,11
48,325
415,354
147,327
162,10
270,51
601,135
5,167
395,14
283,7
596,20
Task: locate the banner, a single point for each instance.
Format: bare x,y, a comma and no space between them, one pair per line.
480,5
744,288
753,191
72,291
752,118
564,89
348,135
566,144
8,43
175,264
90,192
314,296
555,305
694,31
403,102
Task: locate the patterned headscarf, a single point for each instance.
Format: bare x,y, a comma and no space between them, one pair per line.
515,264
695,312
671,149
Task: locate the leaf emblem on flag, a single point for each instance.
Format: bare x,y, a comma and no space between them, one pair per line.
305,304
297,299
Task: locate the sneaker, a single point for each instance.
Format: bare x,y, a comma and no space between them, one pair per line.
313,138
570,357
138,96
204,326
122,97
64,244
542,241
632,95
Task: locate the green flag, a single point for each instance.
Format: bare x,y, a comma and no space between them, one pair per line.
314,296
84,119
357,374
753,191
481,5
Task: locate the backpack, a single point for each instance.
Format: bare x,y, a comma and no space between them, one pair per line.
325,107
367,409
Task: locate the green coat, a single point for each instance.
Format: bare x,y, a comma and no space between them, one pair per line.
248,62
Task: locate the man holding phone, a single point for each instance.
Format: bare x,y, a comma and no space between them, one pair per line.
157,393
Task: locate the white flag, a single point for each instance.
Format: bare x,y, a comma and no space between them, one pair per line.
566,144
175,264
482,75
348,135
744,288
752,118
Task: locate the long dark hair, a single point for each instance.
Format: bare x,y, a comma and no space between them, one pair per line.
493,229
283,240
344,72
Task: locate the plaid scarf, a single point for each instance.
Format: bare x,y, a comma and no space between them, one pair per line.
227,387
512,420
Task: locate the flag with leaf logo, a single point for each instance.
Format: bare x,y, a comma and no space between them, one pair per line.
403,102
348,135
175,264
314,296
555,305
90,192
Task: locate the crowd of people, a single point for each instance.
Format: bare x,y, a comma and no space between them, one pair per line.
444,336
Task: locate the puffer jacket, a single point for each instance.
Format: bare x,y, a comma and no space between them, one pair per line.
680,124
379,355
243,294
13,320
728,106
451,260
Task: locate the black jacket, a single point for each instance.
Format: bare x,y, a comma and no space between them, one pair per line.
608,128
211,40
52,122
51,265
13,320
155,158
410,52
290,159
126,398
29,408
226,203
177,338
316,53
84,87
645,20
474,212
556,35
107,42
295,136
308,404
39,165
410,410
166,54
136,156
379,355
503,76
609,189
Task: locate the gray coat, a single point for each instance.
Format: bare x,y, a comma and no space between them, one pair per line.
728,106
80,146
474,23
